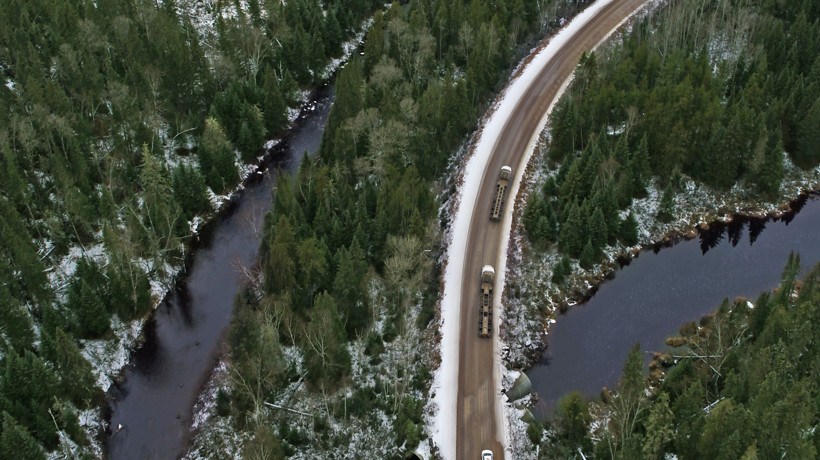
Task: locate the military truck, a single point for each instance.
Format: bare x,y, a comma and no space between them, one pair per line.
485,309
500,190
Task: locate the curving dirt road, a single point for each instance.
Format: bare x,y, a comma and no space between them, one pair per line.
479,423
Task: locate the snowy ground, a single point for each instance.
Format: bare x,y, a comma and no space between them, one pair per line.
344,436
532,301
445,380
109,356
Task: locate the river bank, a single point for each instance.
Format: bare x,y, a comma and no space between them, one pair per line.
130,350
533,302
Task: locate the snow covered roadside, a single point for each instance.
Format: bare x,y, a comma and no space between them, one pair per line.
697,205
445,380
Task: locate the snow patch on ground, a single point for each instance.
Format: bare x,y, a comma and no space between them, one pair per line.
348,48
333,428
109,356
533,300
62,271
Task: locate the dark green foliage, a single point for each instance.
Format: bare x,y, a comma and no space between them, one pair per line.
16,442
17,331
92,318
628,230
561,270
679,109
98,101
190,191
245,334
275,107
223,403
28,388
572,233
757,320
597,230
666,208
130,286
587,258
572,420
746,396
251,132
808,137
348,288
76,380
216,158
639,167
17,248
535,431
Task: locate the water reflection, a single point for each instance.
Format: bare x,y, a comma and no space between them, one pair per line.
656,293
185,334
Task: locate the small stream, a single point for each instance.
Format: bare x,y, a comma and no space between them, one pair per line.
653,296
185,334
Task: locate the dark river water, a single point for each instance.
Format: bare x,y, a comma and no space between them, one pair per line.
184,336
649,299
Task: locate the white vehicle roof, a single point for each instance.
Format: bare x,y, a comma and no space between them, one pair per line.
488,268
506,168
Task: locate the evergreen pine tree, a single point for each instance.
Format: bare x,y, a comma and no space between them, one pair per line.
16,442
251,132
688,410
533,211
92,317
18,333
246,142
275,108
640,169
808,137
587,259
571,236
571,187
29,388
666,210
628,230
660,428
289,89
572,419
332,33
550,187
256,12
190,191
279,266
548,226
225,166
216,157
565,122
76,380
17,248
348,289
771,173
559,271
597,229
621,154
130,286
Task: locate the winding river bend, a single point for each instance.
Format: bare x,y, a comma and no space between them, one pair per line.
184,336
649,299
